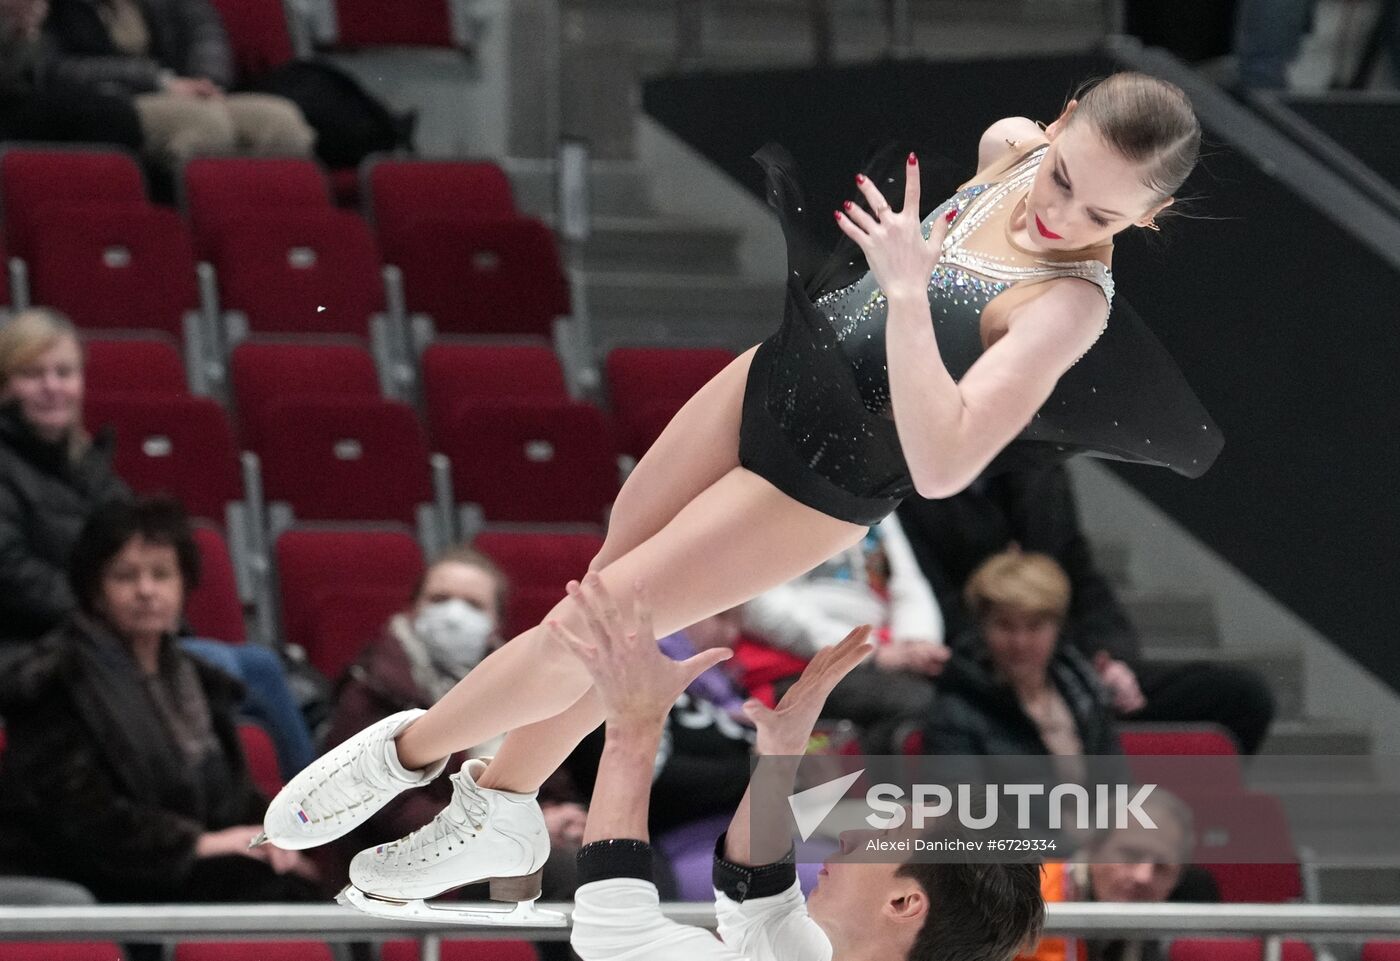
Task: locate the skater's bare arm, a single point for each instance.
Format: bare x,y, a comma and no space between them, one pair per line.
617,912
782,740
951,430
637,685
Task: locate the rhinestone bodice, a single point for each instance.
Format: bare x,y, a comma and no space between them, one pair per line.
962,284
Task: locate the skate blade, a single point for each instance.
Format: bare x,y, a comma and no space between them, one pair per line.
258,841
522,915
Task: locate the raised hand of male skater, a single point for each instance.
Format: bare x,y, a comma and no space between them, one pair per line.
860,912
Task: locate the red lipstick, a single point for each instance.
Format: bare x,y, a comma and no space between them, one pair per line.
1046,233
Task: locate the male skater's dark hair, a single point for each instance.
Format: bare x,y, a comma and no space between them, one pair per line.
977,912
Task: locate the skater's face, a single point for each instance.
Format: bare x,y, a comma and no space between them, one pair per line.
453,580
1084,192
50,389
1021,643
858,897
142,590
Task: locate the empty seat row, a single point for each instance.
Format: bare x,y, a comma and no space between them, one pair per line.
285,260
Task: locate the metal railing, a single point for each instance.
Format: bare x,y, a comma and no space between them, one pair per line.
334,923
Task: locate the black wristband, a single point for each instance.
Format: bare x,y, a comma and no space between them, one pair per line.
739,882
615,858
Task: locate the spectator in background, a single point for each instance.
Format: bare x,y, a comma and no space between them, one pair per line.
35,106
1036,510
53,475
123,770
877,582
1011,687
1129,865
1268,34
172,58
453,622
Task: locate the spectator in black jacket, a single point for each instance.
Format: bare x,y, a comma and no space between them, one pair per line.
123,771
52,473
172,58
1010,687
35,106
1036,510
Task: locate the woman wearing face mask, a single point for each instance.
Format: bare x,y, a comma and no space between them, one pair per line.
422,653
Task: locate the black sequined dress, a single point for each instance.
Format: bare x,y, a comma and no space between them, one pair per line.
816,406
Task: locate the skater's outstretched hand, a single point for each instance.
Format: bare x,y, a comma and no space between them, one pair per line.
634,680
786,730
894,245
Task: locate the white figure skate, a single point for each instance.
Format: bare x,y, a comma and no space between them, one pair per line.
482,835
341,789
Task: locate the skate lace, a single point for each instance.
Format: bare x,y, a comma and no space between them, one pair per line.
468,803
342,790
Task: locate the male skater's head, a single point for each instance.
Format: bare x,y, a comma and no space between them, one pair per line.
929,912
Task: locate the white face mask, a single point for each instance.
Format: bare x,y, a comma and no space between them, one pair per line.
455,632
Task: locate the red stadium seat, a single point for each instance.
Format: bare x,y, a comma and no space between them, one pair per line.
4,276
265,372
487,277
1238,836
1380,951
647,386
260,754
456,372
299,271
538,565
343,459
213,609
532,460
462,951
114,266
404,192
317,570
1232,949
399,23
32,179
1203,740
60,951
122,365
258,33
169,444
217,188
254,951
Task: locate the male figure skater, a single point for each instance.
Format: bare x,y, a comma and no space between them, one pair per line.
858,912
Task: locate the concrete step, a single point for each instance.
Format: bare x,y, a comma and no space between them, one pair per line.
617,188
1186,620
658,245
1317,736
771,32
675,309
1112,559
1282,670
1359,885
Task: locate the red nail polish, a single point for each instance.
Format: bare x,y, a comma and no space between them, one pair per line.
860,178
846,205
837,214
912,160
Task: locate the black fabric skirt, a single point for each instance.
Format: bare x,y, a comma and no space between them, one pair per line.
805,429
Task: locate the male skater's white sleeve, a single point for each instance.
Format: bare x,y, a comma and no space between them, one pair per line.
620,919
762,912
617,917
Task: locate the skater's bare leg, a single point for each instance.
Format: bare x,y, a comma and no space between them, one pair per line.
530,754
738,538
698,447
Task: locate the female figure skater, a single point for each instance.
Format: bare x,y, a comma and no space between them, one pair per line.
908,369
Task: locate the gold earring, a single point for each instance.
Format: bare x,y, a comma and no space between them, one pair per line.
1152,224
